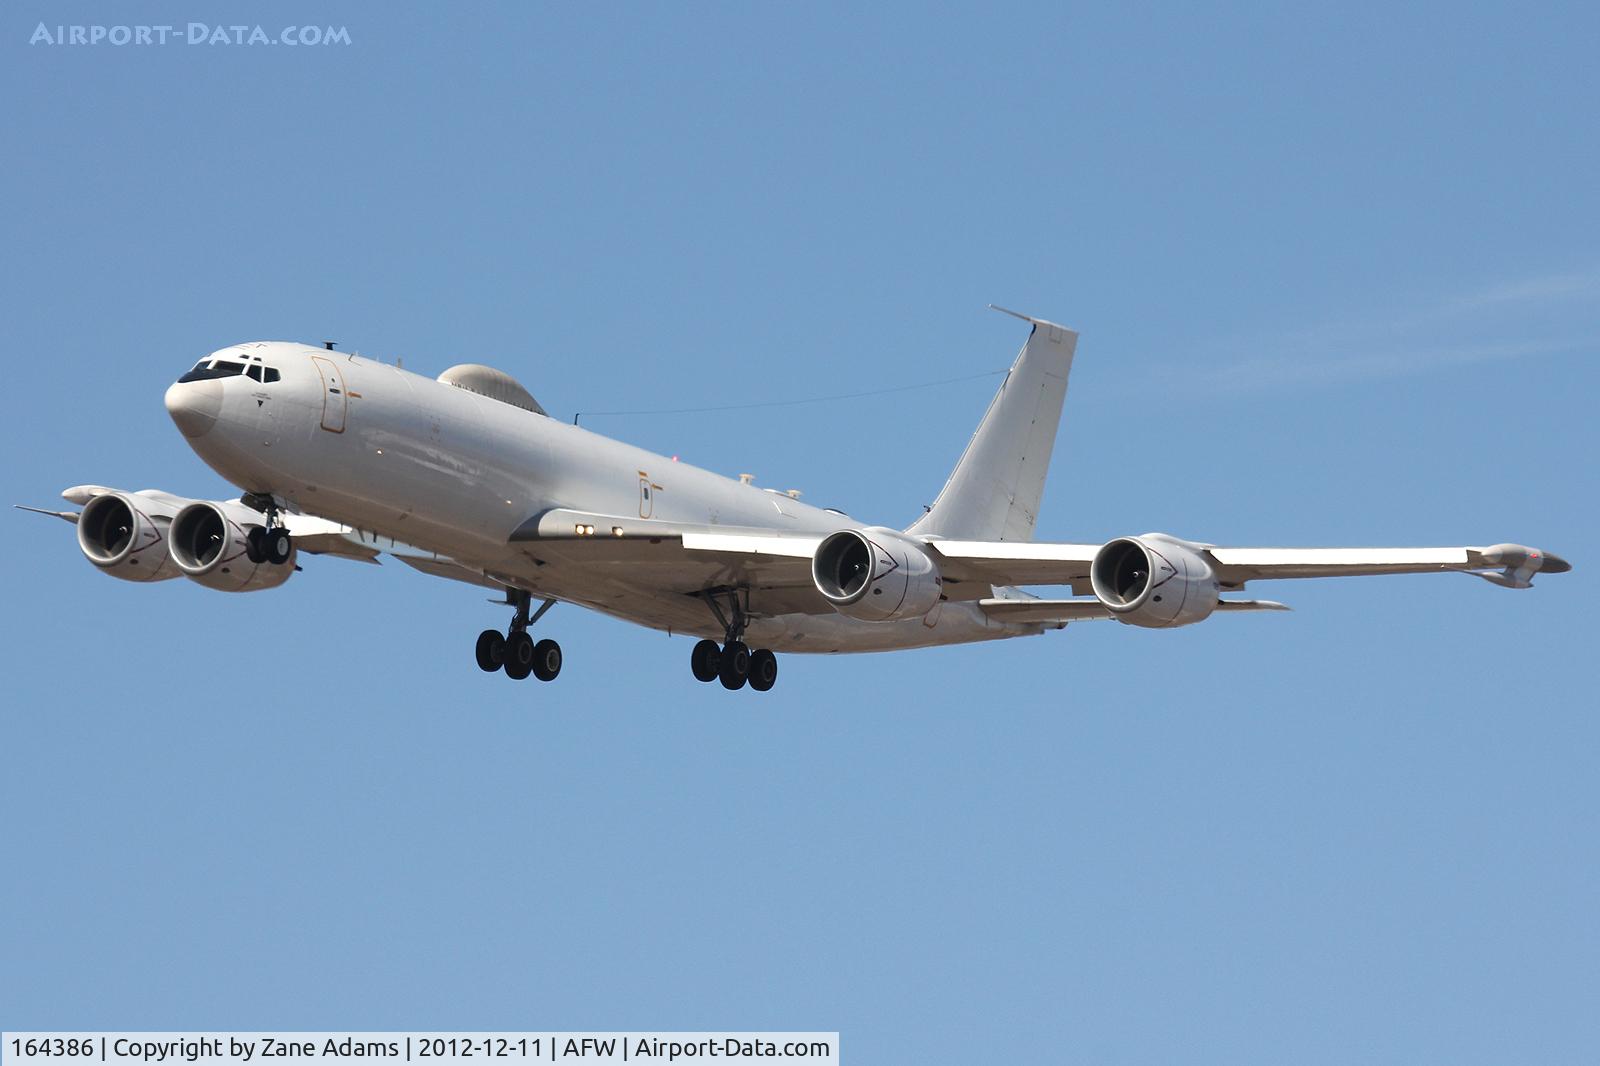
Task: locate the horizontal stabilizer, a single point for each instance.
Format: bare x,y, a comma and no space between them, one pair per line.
1028,318
82,494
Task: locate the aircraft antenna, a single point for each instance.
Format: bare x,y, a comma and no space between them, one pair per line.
795,403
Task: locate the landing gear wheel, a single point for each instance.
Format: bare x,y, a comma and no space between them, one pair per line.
763,670
734,667
254,546
546,660
491,650
519,656
705,658
276,545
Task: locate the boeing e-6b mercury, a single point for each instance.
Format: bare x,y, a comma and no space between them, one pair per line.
466,477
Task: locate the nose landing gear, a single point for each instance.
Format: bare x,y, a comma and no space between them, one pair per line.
516,652
733,663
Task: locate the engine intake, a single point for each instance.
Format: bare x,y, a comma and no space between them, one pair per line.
123,535
209,545
1154,581
876,575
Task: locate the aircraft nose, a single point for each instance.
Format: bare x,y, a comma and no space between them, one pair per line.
194,406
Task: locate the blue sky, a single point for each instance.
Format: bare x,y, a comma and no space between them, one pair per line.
1337,274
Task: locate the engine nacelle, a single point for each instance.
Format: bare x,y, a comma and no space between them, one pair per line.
208,545
125,534
876,575
1154,581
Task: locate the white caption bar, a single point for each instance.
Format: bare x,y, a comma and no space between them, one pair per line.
429,1049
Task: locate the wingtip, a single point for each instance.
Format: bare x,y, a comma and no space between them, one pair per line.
1521,557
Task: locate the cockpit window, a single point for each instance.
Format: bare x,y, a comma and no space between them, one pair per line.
272,375
207,369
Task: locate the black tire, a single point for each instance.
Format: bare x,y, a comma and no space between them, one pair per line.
546,660
763,670
277,546
704,660
734,666
254,549
519,656
491,650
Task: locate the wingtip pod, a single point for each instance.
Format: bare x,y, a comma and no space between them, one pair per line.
1519,563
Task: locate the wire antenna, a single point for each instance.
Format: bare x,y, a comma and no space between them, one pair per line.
793,403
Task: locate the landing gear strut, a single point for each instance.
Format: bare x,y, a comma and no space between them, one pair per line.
733,663
516,652
270,543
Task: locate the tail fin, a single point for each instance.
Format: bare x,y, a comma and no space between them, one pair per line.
994,491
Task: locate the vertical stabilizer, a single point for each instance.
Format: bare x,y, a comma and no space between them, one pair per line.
994,491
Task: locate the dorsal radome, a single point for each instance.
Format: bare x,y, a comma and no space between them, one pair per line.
495,384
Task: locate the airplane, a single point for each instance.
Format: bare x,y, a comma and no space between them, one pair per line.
467,477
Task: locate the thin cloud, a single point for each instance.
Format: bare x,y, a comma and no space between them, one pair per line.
1548,289
1314,369
1505,322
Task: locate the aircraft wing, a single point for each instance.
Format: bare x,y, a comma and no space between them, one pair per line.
973,565
1512,565
776,565
322,537
1032,563
677,557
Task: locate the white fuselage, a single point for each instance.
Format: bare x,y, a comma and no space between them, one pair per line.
418,461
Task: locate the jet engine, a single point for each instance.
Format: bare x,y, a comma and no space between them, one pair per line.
1154,581
876,575
208,545
124,534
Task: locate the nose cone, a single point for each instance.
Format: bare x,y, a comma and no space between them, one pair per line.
194,406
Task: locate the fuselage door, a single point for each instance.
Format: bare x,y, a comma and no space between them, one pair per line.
334,402
648,491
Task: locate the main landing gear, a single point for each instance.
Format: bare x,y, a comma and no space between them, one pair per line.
269,543
732,663
515,651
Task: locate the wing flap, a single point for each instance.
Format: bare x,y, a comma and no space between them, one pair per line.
319,536
981,562
438,566
1083,610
